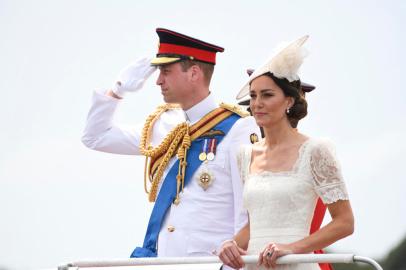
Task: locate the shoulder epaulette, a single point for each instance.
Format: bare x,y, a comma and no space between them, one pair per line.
235,109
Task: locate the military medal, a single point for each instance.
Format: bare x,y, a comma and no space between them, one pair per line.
212,152
205,179
210,156
203,154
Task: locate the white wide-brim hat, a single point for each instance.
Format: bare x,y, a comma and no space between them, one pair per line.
284,64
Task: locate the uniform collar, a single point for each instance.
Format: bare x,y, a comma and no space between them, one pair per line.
199,110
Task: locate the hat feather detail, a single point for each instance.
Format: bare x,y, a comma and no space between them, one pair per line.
287,62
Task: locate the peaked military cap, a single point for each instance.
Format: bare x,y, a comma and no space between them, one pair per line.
174,47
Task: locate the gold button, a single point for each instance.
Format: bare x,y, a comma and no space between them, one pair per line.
171,228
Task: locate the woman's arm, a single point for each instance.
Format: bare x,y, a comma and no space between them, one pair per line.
243,236
231,250
341,225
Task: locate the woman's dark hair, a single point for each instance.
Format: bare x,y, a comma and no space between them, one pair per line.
292,89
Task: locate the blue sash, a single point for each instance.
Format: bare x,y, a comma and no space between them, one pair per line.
167,193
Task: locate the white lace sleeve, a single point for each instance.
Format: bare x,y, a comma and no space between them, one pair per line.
326,173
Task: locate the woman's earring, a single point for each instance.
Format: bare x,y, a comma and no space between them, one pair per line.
287,110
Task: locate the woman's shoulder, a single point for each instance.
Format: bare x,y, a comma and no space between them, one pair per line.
320,142
321,145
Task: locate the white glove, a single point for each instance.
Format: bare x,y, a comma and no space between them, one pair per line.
133,77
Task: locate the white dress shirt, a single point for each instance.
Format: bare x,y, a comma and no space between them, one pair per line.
204,218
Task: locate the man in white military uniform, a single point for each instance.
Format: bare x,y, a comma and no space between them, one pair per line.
191,148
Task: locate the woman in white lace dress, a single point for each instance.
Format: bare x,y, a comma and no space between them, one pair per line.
285,173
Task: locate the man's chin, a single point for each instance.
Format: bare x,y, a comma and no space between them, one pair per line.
168,99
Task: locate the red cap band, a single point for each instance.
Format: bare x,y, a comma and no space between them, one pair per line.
202,55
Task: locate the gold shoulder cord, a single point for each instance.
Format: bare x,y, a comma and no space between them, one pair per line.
167,146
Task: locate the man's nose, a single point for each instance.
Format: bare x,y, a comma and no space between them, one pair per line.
159,80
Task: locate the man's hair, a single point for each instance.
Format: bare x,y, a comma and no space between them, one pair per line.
205,67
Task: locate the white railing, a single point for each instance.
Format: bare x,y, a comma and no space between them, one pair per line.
252,259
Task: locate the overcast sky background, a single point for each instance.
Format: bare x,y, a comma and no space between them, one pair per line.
61,202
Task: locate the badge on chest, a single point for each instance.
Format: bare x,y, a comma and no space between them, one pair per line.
205,178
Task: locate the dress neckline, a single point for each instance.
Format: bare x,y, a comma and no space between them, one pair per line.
284,172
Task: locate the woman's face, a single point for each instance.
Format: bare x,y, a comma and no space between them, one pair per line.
268,103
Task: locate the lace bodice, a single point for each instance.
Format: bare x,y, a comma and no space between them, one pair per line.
281,204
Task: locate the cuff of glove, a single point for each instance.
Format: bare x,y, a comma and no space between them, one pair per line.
118,90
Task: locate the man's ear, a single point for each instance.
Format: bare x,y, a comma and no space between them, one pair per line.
195,73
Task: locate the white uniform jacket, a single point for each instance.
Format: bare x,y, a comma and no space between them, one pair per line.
203,219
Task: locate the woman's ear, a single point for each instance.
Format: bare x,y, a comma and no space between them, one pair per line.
291,101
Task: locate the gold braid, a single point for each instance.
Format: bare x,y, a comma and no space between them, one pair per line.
167,146
148,150
182,155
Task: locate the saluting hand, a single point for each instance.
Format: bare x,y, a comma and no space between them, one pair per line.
133,77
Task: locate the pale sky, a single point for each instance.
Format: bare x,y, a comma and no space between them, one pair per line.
61,202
